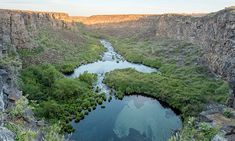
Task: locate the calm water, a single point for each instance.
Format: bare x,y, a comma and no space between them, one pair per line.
135,118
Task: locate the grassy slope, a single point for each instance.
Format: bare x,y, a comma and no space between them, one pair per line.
183,83
63,48
51,95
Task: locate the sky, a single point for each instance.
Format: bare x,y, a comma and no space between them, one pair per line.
101,7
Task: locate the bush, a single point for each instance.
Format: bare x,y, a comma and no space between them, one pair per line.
65,89
100,101
52,133
88,78
19,109
38,80
49,110
21,133
227,113
187,93
205,132
67,68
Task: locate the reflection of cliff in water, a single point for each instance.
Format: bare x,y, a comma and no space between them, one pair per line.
134,135
135,118
145,116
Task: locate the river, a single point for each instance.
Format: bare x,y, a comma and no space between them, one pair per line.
135,118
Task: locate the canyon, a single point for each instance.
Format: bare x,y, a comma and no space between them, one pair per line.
214,33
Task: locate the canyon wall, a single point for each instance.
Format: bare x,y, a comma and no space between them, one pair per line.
17,27
214,32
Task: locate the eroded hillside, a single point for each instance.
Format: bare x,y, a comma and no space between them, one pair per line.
213,32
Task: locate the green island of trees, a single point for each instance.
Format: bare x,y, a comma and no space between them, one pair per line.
57,98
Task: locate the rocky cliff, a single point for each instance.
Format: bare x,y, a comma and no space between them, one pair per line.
16,31
214,32
17,27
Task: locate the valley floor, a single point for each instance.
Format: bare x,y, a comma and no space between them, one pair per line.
183,81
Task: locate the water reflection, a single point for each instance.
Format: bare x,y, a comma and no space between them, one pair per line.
135,118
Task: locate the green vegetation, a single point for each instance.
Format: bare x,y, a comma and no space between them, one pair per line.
157,52
204,132
227,112
26,134
9,58
20,106
66,49
57,98
52,96
182,83
187,96
17,124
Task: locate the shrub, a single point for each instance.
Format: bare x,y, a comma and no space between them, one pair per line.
21,133
88,78
190,132
20,107
67,68
227,112
187,93
99,101
52,133
49,110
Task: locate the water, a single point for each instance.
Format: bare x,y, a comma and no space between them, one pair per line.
109,62
135,118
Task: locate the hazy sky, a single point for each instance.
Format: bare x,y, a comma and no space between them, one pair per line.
94,7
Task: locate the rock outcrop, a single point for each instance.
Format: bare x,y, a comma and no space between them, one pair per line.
17,27
214,32
215,114
16,31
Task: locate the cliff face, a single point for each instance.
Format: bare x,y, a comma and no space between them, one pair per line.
106,19
16,31
214,32
17,27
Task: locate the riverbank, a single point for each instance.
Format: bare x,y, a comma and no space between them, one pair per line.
33,68
184,82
